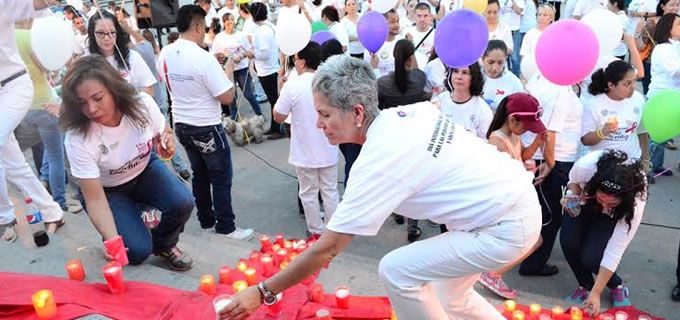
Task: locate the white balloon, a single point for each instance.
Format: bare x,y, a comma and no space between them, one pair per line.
607,28
53,41
529,67
78,4
293,32
383,6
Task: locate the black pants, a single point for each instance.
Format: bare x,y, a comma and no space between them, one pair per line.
351,152
549,195
583,241
270,86
557,6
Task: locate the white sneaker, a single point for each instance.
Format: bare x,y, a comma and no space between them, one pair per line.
241,234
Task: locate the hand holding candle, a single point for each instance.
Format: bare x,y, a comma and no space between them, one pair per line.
166,144
116,250
75,270
44,304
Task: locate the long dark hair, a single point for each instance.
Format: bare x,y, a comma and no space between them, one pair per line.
616,177
403,50
476,79
95,67
614,73
659,9
122,38
662,33
499,117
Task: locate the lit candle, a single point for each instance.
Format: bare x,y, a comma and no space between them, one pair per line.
267,265
113,273
242,265
316,293
518,315
323,314
342,297
265,243
240,285
283,265
251,276
510,305
280,256
44,304
221,301
394,316
225,275
276,247
576,313
556,311
534,309
207,284
254,257
644,317
621,315
75,270
288,245
279,239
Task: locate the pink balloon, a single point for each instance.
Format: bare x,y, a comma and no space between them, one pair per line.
567,52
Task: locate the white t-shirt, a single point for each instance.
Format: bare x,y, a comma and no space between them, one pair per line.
529,43
249,27
266,50
430,171
139,75
497,89
423,52
115,155
568,12
639,6
665,70
473,115
528,20
598,110
583,7
562,113
309,147
621,49
583,170
355,46
436,76
509,16
82,43
340,33
385,57
194,78
502,33
232,44
12,11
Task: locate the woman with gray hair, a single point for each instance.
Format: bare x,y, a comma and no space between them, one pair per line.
434,170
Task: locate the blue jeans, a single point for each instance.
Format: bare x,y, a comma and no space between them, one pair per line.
157,187
53,158
515,58
657,152
245,81
210,158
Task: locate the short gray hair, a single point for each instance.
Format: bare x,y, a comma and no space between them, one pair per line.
346,82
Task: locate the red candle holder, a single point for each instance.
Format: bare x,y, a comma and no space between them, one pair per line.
113,273
267,265
276,247
116,249
280,256
254,257
265,243
242,265
44,304
288,245
75,270
251,276
316,293
342,296
207,284
225,275
279,239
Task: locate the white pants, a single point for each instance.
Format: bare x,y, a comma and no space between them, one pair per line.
433,279
15,100
312,181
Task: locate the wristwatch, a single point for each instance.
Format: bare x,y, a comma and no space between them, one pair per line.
268,298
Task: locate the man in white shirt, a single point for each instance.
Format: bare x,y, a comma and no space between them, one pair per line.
314,158
422,34
197,86
81,38
16,94
511,15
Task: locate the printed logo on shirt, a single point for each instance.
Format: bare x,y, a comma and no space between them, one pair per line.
441,135
624,133
103,149
500,92
604,112
134,162
636,110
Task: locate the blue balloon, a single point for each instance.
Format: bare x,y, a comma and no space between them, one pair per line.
461,38
322,36
372,30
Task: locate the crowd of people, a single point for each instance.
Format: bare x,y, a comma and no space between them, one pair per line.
500,158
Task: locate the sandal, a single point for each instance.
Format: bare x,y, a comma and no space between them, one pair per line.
8,231
52,227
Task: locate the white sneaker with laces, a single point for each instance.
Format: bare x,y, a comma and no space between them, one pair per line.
241,234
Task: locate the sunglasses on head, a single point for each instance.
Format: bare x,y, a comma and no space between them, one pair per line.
537,114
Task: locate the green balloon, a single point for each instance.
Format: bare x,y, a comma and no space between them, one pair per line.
318,26
661,116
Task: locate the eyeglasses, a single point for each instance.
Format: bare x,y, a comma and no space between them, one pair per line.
537,115
105,34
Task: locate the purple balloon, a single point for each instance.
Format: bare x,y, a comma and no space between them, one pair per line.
461,38
372,30
322,36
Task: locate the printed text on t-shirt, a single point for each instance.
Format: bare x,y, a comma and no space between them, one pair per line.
443,133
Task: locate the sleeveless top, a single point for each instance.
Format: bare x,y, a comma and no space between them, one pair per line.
514,146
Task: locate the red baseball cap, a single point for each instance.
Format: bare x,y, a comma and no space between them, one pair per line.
525,107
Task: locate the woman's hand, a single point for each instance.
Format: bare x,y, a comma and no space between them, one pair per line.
242,305
53,109
165,145
543,172
374,60
592,303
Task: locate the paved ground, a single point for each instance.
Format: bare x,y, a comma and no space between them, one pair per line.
264,199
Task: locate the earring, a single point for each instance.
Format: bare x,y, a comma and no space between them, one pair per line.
358,125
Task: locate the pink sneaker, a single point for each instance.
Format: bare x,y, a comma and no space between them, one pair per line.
497,285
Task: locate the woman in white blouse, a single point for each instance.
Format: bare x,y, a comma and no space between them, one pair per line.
350,21
498,30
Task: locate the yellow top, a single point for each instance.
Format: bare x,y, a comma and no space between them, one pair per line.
42,92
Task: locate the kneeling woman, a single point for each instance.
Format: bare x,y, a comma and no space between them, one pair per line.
605,202
111,133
